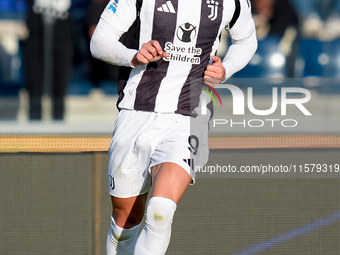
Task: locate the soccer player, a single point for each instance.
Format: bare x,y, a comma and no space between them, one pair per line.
155,146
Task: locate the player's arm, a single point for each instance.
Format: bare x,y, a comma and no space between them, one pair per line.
105,44
115,20
244,41
244,45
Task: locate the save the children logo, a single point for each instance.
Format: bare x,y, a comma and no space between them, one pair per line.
186,32
183,50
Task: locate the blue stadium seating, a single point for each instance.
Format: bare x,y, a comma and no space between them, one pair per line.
333,67
310,52
332,50
322,62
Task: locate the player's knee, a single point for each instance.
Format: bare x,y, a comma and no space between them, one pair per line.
129,212
159,214
128,218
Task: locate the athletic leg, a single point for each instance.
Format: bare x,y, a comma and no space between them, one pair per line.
129,181
127,213
169,184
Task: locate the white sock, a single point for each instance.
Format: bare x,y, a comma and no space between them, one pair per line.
154,239
121,241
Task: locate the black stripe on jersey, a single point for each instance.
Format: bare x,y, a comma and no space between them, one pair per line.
131,40
163,31
207,34
236,14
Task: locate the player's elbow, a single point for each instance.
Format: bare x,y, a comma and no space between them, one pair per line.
250,43
95,46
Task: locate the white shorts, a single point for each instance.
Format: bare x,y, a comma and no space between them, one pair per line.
145,139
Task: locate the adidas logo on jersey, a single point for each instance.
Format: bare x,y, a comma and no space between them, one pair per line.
167,7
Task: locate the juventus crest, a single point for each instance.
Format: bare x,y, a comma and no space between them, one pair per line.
213,5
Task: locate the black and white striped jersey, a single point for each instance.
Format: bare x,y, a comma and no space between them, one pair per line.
189,31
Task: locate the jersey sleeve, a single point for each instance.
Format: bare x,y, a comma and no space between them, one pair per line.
244,25
120,13
115,20
244,41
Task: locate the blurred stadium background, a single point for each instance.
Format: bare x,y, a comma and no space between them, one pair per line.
53,185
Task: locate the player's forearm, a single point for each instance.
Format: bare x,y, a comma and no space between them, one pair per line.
239,55
105,45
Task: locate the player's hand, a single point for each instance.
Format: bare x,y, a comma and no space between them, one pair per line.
214,73
150,52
